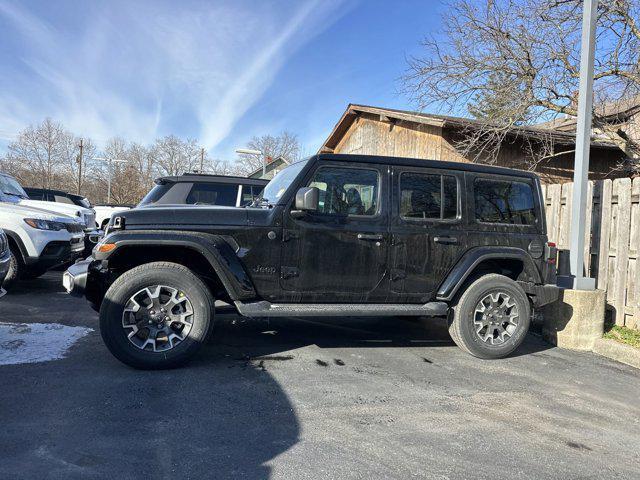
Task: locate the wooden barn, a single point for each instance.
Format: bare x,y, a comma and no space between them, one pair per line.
382,131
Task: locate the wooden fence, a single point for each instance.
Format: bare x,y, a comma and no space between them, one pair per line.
612,240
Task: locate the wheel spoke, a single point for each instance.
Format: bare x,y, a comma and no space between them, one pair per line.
151,320
496,317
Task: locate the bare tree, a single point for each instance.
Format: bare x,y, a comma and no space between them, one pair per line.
37,157
284,145
173,156
516,62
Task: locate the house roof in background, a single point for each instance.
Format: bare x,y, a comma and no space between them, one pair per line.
619,110
390,114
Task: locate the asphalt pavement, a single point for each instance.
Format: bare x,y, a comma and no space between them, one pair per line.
339,398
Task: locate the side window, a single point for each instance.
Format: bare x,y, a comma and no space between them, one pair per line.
213,194
346,191
36,196
250,193
499,201
428,196
62,199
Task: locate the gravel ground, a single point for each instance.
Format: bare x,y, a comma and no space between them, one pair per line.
311,398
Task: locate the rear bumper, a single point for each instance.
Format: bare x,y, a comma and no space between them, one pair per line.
74,280
541,294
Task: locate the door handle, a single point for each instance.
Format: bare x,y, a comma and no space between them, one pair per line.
371,236
446,240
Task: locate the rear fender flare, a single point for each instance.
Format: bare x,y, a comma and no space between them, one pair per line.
472,258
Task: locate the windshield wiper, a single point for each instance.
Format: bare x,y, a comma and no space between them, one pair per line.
14,194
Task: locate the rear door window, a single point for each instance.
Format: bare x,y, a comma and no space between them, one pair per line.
425,196
501,201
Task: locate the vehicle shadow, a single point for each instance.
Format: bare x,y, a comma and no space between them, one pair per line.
259,337
89,416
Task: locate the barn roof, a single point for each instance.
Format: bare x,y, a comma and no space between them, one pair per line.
392,115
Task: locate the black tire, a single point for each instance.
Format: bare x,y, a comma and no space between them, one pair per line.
16,269
462,321
156,273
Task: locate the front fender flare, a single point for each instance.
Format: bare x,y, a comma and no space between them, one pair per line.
217,249
473,257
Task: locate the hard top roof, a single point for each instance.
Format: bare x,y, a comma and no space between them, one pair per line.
56,192
418,162
208,178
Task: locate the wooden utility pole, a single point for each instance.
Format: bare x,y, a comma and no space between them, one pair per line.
201,160
79,160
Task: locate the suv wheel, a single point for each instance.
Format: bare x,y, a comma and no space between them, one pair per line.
491,318
16,268
156,315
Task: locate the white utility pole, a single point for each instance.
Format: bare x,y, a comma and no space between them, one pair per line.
109,162
577,280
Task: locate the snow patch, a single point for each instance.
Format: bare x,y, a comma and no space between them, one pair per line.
36,342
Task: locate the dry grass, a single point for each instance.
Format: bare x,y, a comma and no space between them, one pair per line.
624,335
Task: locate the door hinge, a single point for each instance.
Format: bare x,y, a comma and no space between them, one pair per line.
289,234
289,272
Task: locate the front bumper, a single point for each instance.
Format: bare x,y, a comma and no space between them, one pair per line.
57,253
541,294
74,280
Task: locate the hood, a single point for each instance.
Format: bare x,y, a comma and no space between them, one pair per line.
26,211
63,208
184,215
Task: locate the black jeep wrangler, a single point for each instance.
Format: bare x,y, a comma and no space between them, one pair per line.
338,235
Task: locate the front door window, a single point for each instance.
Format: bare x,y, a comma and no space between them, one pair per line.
346,191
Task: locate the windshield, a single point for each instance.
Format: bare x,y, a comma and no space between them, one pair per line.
10,186
279,184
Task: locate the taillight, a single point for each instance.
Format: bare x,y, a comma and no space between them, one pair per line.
551,252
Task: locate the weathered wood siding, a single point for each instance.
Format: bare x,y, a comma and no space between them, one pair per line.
612,239
368,135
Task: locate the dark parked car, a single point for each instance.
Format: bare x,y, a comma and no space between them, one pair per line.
48,195
332,235
200,189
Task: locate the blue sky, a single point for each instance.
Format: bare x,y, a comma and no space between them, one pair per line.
216,71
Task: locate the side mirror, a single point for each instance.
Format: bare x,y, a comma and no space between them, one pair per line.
307,199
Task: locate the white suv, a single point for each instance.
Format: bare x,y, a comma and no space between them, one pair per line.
12,191
38,240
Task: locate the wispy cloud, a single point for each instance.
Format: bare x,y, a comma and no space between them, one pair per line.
142,69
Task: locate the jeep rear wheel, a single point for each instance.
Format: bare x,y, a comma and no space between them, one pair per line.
491,318
156,316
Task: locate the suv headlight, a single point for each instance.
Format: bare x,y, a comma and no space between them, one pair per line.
44,224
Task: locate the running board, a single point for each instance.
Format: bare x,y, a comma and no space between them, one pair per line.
267,309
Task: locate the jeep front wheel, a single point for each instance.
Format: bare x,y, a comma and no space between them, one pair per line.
491,318
156,315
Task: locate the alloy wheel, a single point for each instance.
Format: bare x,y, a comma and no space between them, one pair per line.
157,318
496,318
